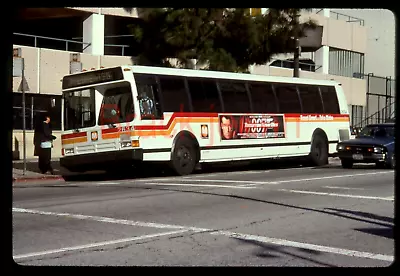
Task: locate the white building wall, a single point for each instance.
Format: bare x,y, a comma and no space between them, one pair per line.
380,45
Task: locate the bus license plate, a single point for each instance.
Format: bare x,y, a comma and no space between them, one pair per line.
358,157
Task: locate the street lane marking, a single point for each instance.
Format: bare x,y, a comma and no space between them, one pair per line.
282,242
342,188
96,244
198,185
338,195
104,219
321,248
318,178
179,184
222,181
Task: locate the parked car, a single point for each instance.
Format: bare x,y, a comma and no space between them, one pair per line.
374,144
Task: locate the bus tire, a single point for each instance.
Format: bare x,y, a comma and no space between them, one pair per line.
319,151
184,156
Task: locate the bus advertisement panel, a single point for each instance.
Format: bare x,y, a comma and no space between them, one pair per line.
260,126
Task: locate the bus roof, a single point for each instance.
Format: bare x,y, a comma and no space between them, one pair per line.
223,75
213,74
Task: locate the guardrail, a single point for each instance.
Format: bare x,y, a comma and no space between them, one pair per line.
67,41
338,16
36,37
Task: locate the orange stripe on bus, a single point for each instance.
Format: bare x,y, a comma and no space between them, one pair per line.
73,140
161,132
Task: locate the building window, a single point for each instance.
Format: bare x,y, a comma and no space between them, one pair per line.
346,63
35,106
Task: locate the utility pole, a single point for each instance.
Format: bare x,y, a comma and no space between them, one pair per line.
296,58
297,49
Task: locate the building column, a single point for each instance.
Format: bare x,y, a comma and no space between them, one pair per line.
93,33
322,59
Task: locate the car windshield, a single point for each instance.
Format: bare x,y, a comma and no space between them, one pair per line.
377,131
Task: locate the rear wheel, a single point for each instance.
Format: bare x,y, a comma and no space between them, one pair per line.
347,164
319,151
183,159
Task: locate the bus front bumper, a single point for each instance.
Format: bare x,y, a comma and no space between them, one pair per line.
100,160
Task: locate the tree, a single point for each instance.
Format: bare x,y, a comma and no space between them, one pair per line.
224,39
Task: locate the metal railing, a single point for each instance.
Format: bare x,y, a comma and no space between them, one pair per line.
36,37
386,114
350,19
302,65
340,16
67,41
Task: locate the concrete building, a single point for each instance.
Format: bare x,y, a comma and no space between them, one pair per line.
85,38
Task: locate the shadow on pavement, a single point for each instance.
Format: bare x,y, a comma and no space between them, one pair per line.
267,251
332,213
382,232
355,167
156,170
363,214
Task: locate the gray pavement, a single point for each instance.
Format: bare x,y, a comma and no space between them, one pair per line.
273,217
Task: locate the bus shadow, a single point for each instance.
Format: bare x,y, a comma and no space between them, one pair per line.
157,170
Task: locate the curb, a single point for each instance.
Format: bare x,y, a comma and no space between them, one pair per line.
55,177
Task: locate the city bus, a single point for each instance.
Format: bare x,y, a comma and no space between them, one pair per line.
126,116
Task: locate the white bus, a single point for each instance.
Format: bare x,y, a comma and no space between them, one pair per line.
137,114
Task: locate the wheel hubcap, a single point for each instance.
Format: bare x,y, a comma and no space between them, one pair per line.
183,156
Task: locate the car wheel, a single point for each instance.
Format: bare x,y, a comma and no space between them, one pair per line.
347,164
391,163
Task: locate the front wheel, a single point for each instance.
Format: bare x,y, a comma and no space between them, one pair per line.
391,163
183,160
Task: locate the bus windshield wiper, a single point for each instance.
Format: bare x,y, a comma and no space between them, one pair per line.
76,130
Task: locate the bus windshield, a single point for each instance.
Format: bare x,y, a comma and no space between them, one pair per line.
79,109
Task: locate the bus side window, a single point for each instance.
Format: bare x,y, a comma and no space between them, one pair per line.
175,97
204,94
148,97
329,98
288,98
310,99
263,97
235,97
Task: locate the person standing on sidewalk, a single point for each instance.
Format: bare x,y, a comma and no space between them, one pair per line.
46,138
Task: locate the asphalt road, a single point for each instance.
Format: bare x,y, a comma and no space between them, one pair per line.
270,217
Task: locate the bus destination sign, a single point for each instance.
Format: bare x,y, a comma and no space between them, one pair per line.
92,77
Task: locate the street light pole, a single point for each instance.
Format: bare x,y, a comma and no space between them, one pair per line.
23,115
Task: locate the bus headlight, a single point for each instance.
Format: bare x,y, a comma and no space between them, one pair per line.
125,144
69,151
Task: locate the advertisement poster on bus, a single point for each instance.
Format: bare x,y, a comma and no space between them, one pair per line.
234,127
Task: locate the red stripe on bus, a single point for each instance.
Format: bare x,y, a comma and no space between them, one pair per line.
291,115
175,115
73,135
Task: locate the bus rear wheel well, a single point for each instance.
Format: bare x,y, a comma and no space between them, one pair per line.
190,136
321,133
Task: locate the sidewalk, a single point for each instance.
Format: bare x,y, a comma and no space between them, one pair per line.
32,170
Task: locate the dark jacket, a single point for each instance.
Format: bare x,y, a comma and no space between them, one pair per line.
43,133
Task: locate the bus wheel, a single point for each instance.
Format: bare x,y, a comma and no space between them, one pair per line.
319,151
183,159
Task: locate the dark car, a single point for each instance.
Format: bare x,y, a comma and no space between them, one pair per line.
374,144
